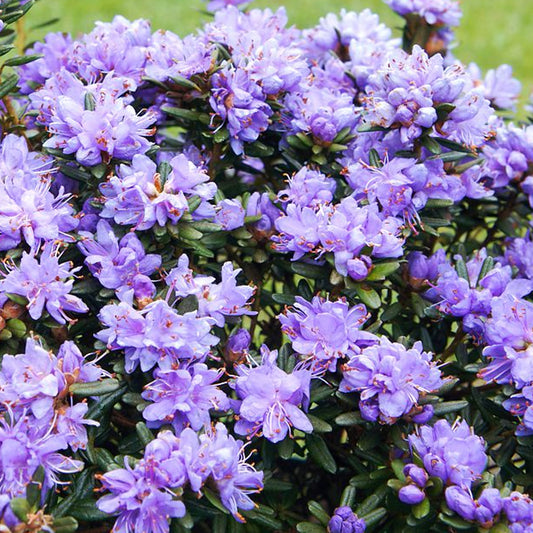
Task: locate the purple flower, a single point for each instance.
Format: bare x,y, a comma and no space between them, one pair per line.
260,205
470,296
56,51
452,453
230,214
484,510
308,188
29,211
123,266
25,445
216,300
45,283
507,158
335,33
272,401
142,495
233,477
424,269
239,104
499,86
519,510
390,379
237,346
157,335
138,195
509,338
344,520
324,332
215,5
183,397
171,56
94,122
435,12
119,48
321,112
411,495
521,404
406,91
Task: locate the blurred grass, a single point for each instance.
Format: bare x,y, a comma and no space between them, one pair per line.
492,31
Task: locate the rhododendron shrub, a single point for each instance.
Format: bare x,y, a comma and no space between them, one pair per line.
260,278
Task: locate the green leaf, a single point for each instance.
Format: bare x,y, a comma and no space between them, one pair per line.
286,448
67,524
6,48
214,500
421,509
86,511
455,522
382,270
374,159
370,503
319,451
188,304
319,425
374,517
258,149
21,60
349,419
145,435
285,299
308,271
17,299
94,388
449,407
460,266
368,296
17,327
318,512
97,410
308,527
20,508
431,144
348,496
184,82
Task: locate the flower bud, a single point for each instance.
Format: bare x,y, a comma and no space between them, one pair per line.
411,495
344,520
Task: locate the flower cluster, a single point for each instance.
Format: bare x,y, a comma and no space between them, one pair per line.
143,495
390,379
317,239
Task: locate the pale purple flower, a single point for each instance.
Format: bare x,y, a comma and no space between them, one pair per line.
390,379
219,301
230,214
45,283
157,335
435,12
519,510
521,405
452,453
308,187
183,397
273,401
239,104
29,211
138,196
215,5
121,265
498,86
344,520
95,122
323,331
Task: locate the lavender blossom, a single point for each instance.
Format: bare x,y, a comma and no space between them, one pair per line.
157,335
94,122
521,404
138,196
390,379
239,105
272,401
308,188
230,214
452,453
324,332
439,12
183,397
216,300
123,266
45,283
344,520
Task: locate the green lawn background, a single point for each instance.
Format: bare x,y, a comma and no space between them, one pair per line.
492,31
